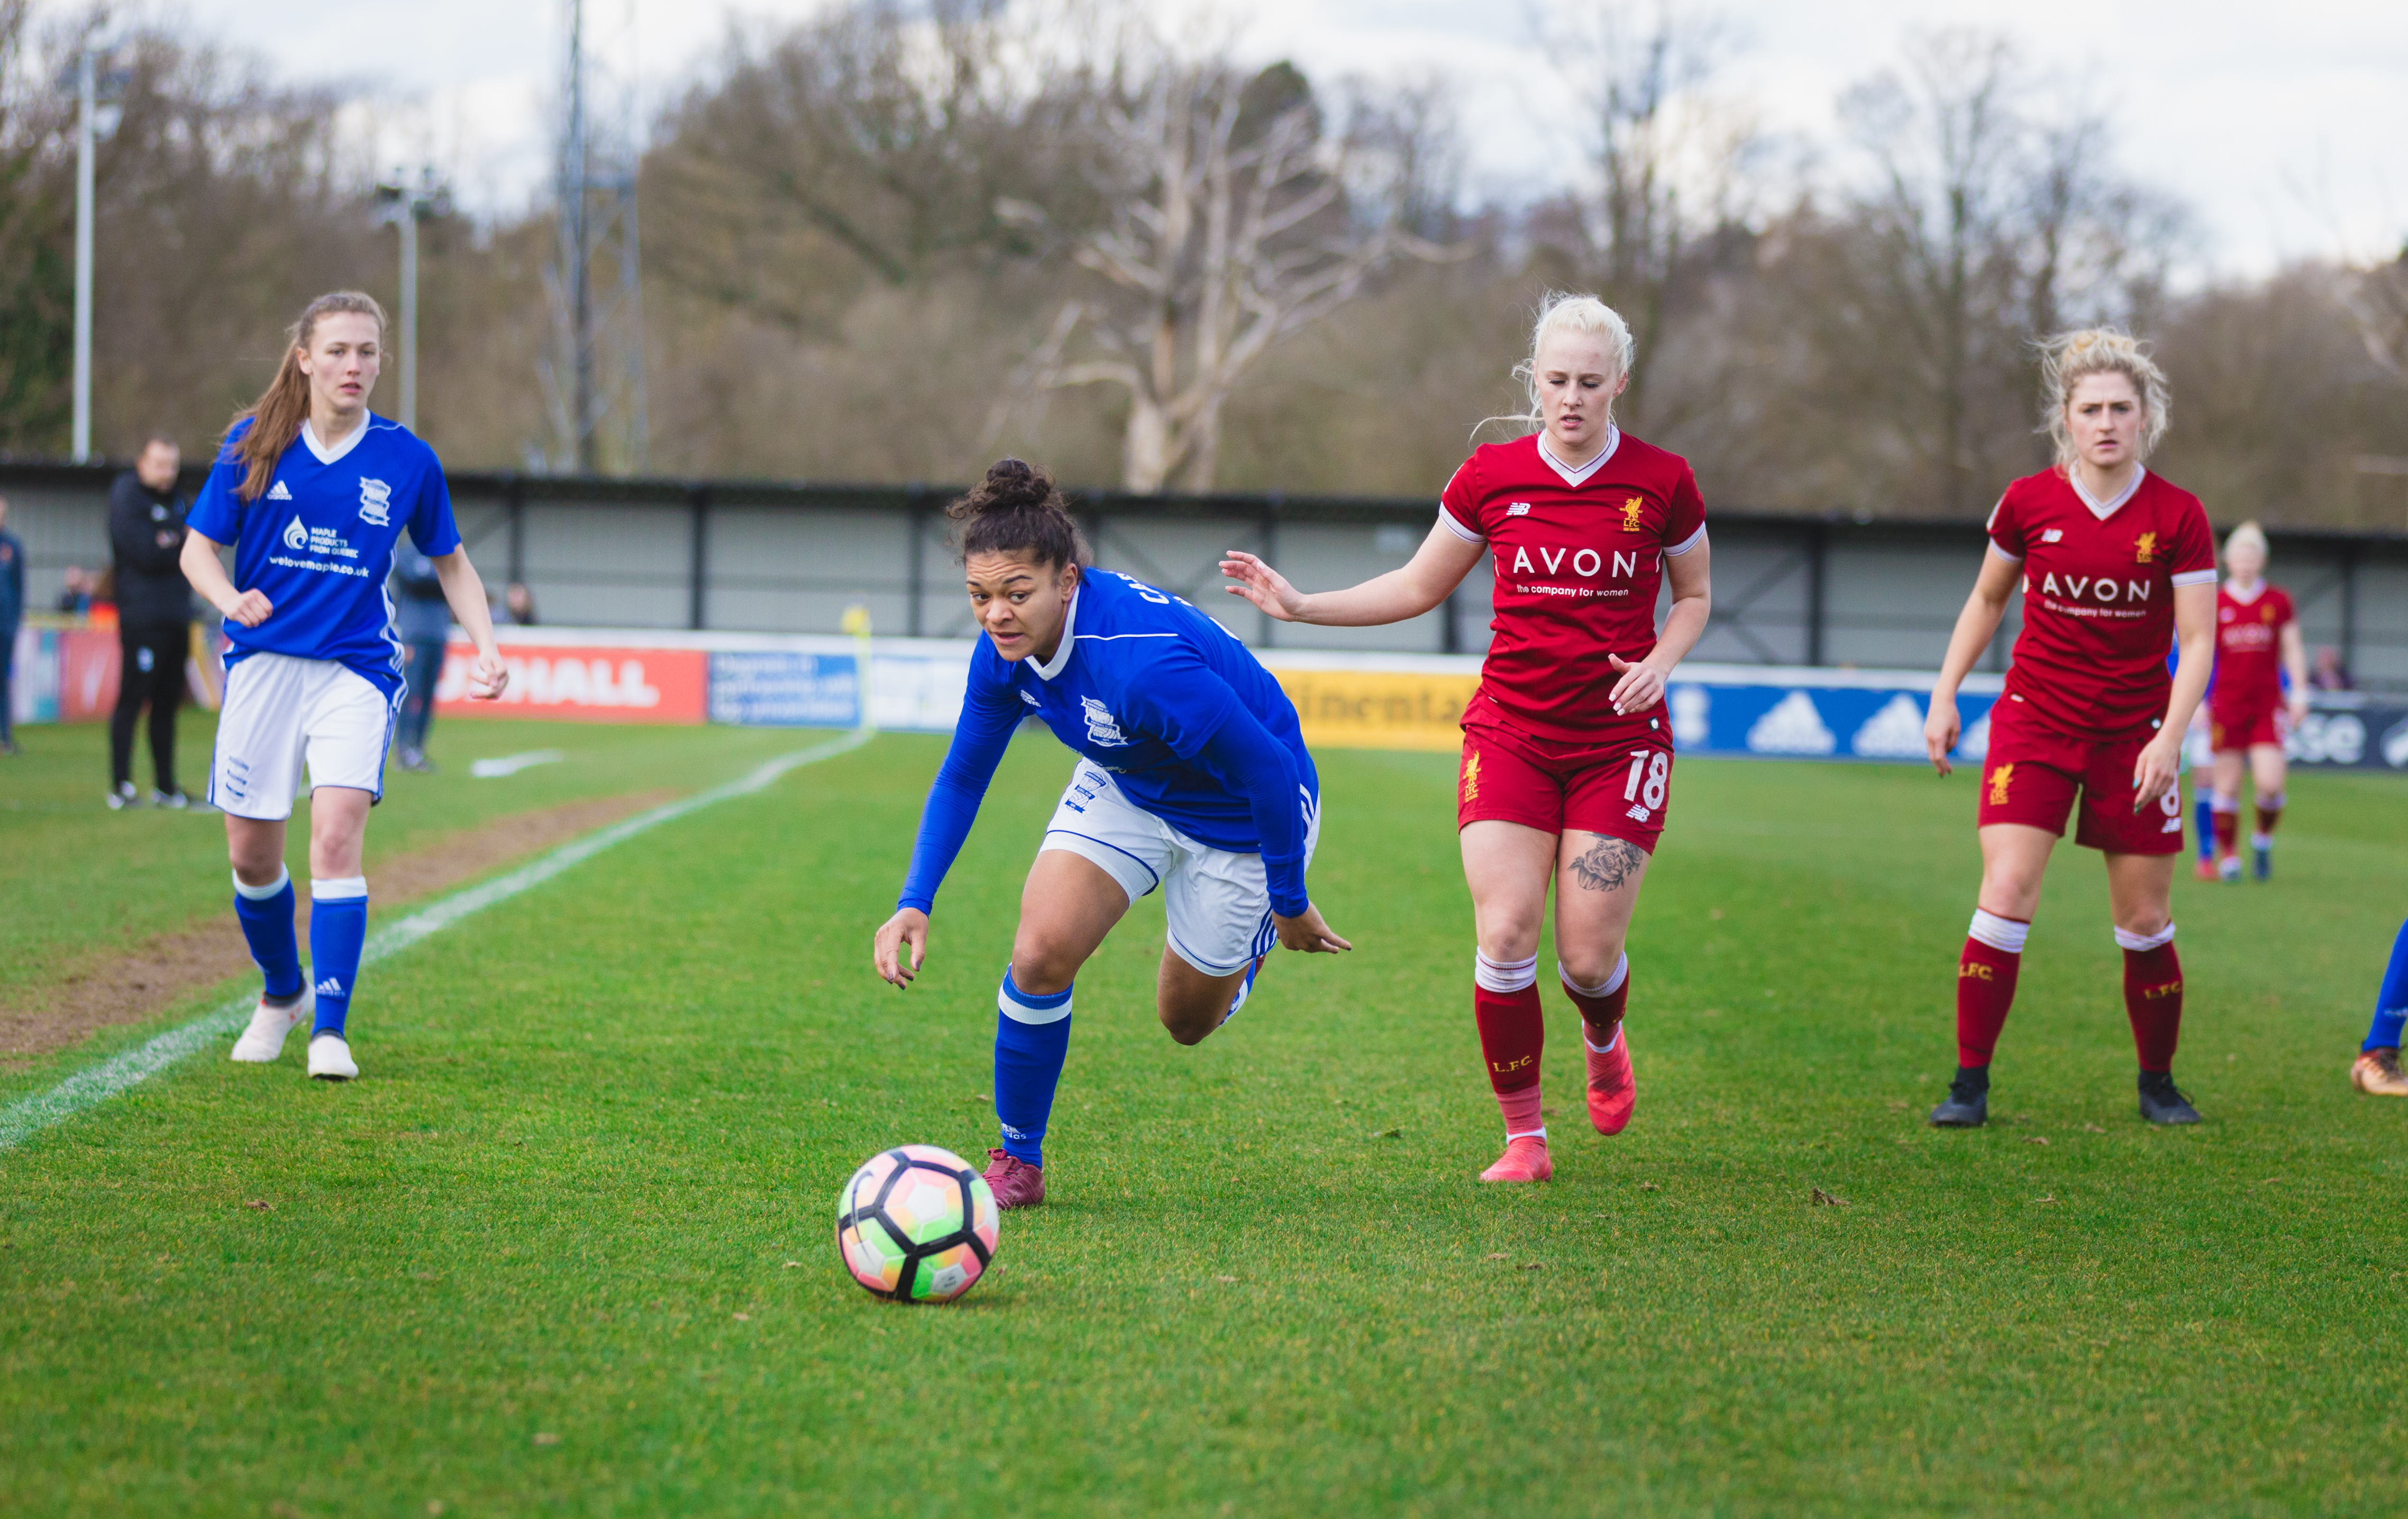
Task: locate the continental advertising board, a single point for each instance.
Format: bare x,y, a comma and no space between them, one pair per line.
1344,700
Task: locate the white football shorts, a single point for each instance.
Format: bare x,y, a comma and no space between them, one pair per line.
282,712
1218,900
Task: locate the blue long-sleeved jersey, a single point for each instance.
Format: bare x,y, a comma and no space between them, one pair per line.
1195,729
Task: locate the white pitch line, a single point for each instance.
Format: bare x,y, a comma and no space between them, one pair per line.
22,1119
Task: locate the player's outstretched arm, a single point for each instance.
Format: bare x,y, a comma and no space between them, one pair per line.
989,716
1976,626
464,590
906,930
1437,568
202,571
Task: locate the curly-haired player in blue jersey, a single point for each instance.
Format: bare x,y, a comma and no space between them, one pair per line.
312,490
1192,777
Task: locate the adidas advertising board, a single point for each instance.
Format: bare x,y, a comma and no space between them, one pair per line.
1345,701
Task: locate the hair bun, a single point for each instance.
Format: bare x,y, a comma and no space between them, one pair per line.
1012,485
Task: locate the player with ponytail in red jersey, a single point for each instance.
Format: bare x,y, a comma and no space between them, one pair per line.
2115,562
1568,751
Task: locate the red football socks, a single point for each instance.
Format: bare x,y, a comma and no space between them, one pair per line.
2269,812
1601,1011
1986,984
1513,1030
2153,995
2225,818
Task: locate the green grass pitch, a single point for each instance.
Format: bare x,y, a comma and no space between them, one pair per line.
567,1248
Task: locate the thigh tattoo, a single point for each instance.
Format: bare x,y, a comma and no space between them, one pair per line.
1610,864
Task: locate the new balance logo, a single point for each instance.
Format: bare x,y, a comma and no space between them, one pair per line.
1519,508
2055,534
1638,813
278,493
330,987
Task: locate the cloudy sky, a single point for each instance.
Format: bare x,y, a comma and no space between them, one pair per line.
2284,128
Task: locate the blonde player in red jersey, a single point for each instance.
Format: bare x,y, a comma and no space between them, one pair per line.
2257,642
2114,562
1568,751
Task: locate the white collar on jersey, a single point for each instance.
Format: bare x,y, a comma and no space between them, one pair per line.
1061,659
2104,510
350,440
2233,589
1578,478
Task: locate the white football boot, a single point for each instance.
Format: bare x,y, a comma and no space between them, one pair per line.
263,1040
330,1059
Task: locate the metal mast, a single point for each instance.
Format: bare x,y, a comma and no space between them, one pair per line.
87,93
594,380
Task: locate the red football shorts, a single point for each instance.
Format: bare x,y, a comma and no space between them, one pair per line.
2032,774
2245,727
1621,790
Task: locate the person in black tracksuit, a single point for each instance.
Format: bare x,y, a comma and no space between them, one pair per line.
154,618
12,611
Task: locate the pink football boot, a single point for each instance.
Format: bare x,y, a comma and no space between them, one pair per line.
1014,1183
1524,1159
1613,1089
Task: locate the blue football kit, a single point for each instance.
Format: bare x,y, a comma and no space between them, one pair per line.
1190,728
1192,776
318,543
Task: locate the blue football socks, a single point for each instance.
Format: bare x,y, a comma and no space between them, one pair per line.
1032,1037
338,926
2391,1003
2203,821
265,913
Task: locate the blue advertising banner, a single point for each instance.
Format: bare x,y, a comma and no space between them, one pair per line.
784,688
1798,721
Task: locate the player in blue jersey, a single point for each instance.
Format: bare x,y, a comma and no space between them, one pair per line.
312,490
2376,1069
1192,777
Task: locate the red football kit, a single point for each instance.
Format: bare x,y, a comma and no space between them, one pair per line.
2248,690
1579,557
2088,686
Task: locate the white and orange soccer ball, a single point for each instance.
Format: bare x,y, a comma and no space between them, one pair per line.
917,1224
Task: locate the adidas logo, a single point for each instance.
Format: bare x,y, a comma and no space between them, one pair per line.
330,987
278,493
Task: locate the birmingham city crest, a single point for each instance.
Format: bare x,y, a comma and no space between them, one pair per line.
376,502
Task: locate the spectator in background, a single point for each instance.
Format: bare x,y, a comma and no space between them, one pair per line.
2327,673
12,611
154,618
423,620
518,605
74,591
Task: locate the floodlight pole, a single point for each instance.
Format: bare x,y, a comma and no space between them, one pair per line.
409,314
87,88
405,206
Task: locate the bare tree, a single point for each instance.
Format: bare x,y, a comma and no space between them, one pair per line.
1239,217
873,144
222,202
1666,159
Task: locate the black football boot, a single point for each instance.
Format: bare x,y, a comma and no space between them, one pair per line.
1968,1103
2160,1103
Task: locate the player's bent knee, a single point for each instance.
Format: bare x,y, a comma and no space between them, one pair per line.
1042,969
1187,1026
1589,965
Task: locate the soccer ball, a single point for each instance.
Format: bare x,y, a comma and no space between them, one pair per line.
916,1225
